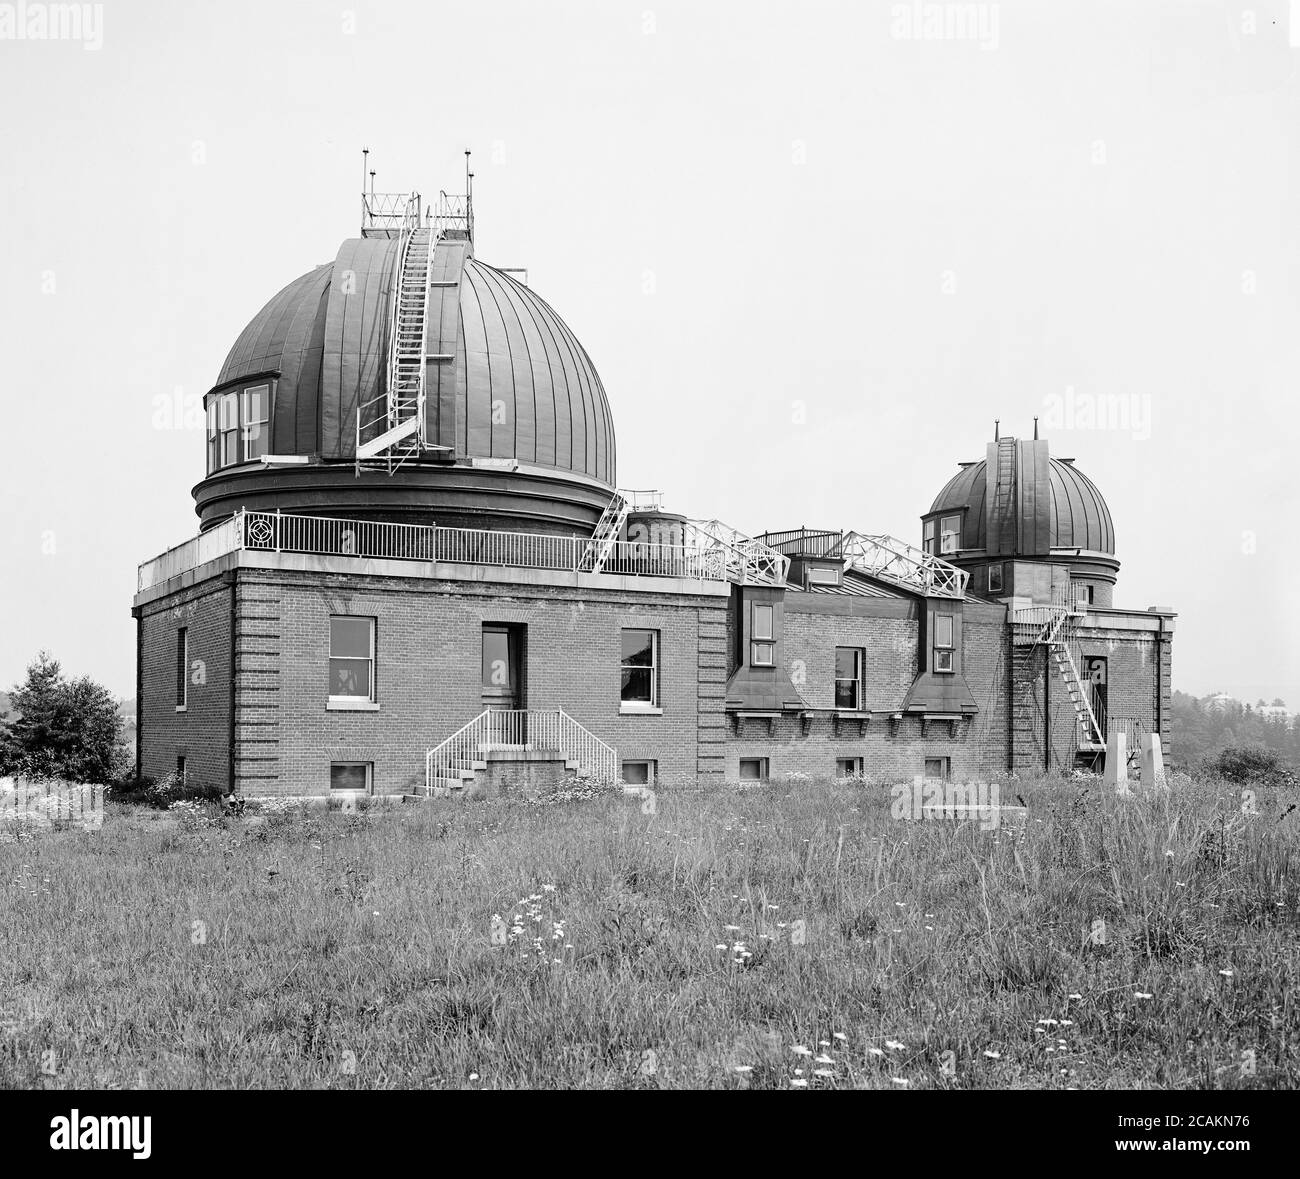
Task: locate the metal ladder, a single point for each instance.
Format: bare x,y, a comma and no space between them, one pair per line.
602,541
391,427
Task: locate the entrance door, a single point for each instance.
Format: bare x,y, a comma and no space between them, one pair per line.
1095,673
503,680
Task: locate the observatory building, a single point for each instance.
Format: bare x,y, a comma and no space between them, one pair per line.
415,574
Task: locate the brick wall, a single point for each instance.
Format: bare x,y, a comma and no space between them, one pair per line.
428,681
201,733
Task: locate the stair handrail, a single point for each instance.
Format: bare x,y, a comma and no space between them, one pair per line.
895,560
574,741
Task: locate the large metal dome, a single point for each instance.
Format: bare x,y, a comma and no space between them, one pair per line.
1076,513
514,403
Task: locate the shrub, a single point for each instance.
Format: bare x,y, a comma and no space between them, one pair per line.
1249,763
162,792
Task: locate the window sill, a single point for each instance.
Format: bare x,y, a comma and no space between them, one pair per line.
182,708
350,704
639,710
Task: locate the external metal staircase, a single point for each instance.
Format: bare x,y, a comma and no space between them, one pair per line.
452,765
1055,628
603,540
391,427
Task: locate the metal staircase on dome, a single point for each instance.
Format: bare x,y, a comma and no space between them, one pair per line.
391,427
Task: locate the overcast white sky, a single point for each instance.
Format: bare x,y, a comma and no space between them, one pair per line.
737,207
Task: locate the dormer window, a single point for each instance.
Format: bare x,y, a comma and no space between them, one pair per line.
239,425
943,643
763,645
949,534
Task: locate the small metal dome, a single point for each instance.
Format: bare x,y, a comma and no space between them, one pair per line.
1075,513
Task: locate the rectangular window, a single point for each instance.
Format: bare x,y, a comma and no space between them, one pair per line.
927,542
639,773
640,669
212,435
1082,594
848,767
848,677
995,579
950,534
762,648
257,421
351,775
228,425
182,667
180,768
820,575
753,769
943,642
352,657
937,767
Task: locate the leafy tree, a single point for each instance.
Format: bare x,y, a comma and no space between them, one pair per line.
61,728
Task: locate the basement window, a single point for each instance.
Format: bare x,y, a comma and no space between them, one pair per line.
943,643
753,769
938,767
848,767
353,776
639,773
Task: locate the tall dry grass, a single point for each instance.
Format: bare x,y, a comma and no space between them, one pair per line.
789,936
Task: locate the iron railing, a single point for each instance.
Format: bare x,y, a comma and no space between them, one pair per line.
379,540
389,214
455,759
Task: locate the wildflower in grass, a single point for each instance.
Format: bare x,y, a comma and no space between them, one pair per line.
876,1051
548,888
473,1076
1048,1023
895,1045
839,1035
930,928
798,1082
992,1055
900,1080
1142,995
1075,995
1226,973
742,1068
731,928
1066,1023
720,946
823,1072
823,1059
800,1050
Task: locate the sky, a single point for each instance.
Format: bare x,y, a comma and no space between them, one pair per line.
813,249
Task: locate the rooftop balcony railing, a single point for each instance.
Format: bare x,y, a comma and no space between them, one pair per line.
378,540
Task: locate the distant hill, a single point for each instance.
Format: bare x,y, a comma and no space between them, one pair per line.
1205,726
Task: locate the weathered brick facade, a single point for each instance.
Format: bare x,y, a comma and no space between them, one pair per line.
267,617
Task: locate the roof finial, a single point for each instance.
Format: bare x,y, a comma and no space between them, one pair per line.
996,423
1035,429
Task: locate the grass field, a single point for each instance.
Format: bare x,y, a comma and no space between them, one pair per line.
788,936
